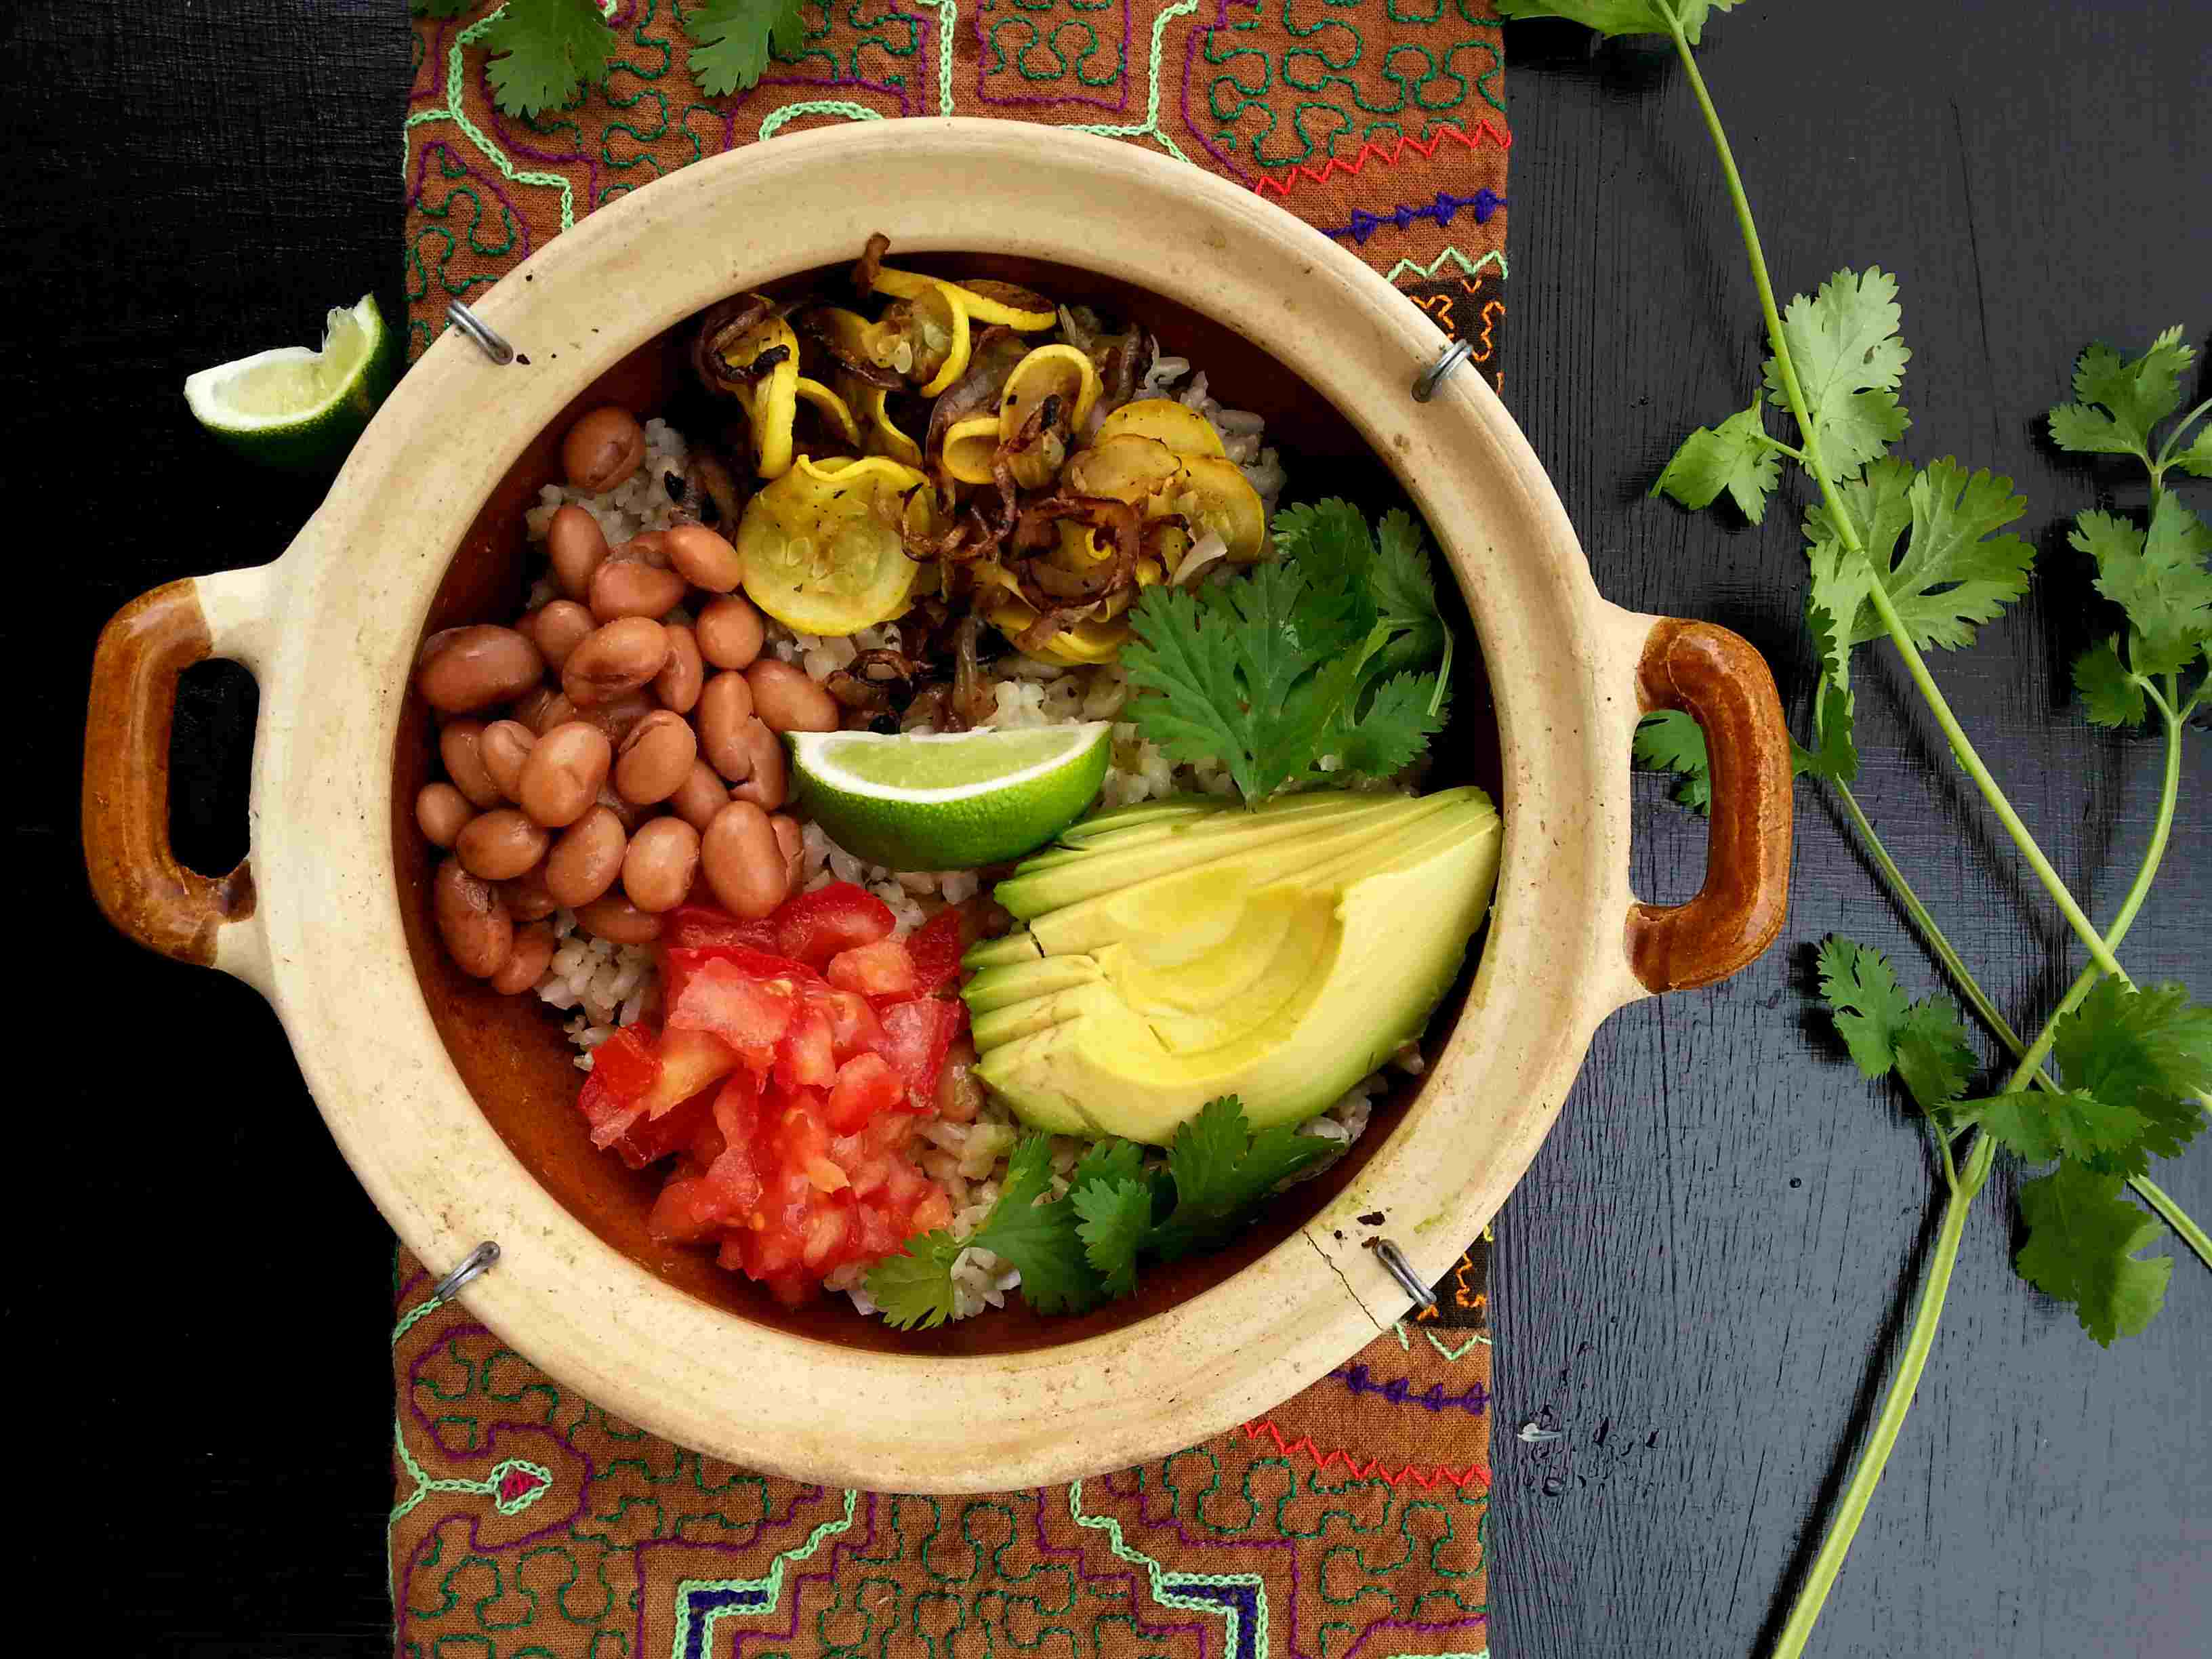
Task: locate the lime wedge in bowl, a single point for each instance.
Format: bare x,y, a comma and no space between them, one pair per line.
298,408
949,802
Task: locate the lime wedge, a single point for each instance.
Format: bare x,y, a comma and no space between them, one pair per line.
950,802
298,408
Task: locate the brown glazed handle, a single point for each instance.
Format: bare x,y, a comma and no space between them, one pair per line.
1716,676
135,876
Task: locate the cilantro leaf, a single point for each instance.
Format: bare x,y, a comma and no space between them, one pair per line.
2040,1127
1732,457
1109,1160
2109,692
1394,728
2198,458
541,53
1932,1055
1221,1168
1869,1006
2135,395
913,1290
732,39
2081,1244
2149,1049
1954,574
439,8
1671,741
1039,1238
1184,652
1618,17
1117,1215
1329,539
2160,579
1849,361
1835,712
1314,654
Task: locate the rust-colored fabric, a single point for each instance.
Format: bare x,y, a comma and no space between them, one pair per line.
1349,1522
1382,123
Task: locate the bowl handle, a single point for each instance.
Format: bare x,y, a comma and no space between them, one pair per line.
205,921
1716,676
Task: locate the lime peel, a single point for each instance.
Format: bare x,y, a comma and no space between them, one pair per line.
297,408
951,801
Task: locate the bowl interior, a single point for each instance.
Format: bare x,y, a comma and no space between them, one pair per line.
511,1052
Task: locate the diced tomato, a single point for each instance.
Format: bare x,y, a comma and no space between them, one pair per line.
936,947
787,1099
865,1085
625,1066
807,1058
751,1015
917,1035
853,1026
690,926
881,970
815,927
678,964
651,1139
690,1060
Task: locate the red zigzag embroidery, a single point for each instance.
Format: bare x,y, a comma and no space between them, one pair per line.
1389,156
1475,1474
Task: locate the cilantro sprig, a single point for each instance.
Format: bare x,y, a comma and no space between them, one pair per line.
1923,557
1329,663
541,54
1076,1251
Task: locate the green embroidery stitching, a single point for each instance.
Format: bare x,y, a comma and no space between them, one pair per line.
776,123
1467,267
771,1585
1152,128
1231,1618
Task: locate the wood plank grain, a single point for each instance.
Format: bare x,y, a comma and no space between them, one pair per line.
1692,1282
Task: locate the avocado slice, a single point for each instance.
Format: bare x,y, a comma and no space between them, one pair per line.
1055,880
1282,973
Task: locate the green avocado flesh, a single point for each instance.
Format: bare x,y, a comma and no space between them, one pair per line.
1180,952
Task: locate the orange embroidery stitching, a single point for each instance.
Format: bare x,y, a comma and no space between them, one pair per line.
1486,128
1427,1480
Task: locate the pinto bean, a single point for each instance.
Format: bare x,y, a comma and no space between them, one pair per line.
729,632
504,746
526,897
442,811
587,858
527,964
655,758
603,449
620,656
699,797
562,777
630,814
466,669
743,863
792,840
558,628
631,587
726,703
460,745
617,719
789,700
500,845
678,684
576,547
767,782
703,558
658,867
616,918
478,932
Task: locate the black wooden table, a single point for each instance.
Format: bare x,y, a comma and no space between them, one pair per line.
1718,1236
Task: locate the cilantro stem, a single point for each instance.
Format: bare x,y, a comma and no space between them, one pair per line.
1962,748
1851,1508
2174,1217
2166,450
1781,448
